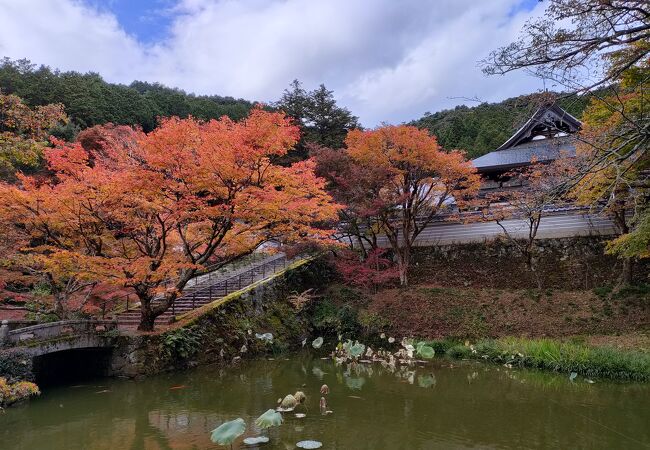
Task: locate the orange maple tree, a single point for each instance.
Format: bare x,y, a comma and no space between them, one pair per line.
421,183
161,206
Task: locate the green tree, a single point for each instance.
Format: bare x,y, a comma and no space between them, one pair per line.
90,101
320,119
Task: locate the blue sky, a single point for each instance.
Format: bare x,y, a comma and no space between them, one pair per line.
148,20
386,60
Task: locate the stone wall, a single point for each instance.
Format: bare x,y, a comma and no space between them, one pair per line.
567,263
224,332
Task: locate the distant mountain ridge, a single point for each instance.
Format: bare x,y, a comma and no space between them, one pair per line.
89,101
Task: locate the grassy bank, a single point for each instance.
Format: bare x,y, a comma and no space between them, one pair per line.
556,356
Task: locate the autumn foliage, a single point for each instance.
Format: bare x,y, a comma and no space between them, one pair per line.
138,209
24,134
395,180
373,271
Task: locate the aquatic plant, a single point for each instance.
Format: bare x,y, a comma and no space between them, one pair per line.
309,444
256,440
424,351
288,403
357,350
270,418
228,432
300,396
353,350
317,343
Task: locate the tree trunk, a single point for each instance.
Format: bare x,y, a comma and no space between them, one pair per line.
532,267
626,272
147,317
403,265
59,308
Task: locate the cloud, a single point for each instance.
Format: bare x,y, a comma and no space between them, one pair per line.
70,36
385,60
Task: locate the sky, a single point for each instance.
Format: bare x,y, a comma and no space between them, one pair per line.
388,61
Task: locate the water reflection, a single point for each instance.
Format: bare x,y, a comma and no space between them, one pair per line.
438,405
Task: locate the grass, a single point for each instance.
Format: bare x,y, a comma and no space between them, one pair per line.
556,356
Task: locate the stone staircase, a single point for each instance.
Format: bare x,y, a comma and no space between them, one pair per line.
209,287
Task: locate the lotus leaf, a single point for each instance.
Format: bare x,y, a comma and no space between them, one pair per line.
256,440
300,396
288,403
309,444
270,418
227,432
426,352
317,343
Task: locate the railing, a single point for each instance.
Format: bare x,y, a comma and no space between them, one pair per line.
46,331
130,299
235,282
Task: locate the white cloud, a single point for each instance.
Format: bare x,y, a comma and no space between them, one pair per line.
385,60
70,36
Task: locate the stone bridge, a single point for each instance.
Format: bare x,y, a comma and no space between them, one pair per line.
64,351
44,338
87,346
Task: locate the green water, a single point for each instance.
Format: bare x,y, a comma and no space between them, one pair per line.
444,405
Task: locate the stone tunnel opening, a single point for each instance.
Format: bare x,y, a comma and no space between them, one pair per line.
71,366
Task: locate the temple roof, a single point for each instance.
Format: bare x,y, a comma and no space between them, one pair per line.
523,154
547,120
544,137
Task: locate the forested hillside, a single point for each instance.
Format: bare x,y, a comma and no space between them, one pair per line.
483,128
89,100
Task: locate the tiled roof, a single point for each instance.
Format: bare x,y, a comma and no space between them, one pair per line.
523,154
549,115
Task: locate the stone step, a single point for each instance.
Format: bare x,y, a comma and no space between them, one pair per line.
205,291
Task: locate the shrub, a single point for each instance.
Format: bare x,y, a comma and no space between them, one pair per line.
372,322
15,364
15,392
330,318
182,343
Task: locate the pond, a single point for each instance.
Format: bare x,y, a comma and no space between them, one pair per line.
445,405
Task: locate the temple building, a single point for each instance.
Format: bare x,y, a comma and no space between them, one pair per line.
546,136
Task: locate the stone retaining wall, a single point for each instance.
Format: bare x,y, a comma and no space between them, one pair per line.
224,332
566,263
